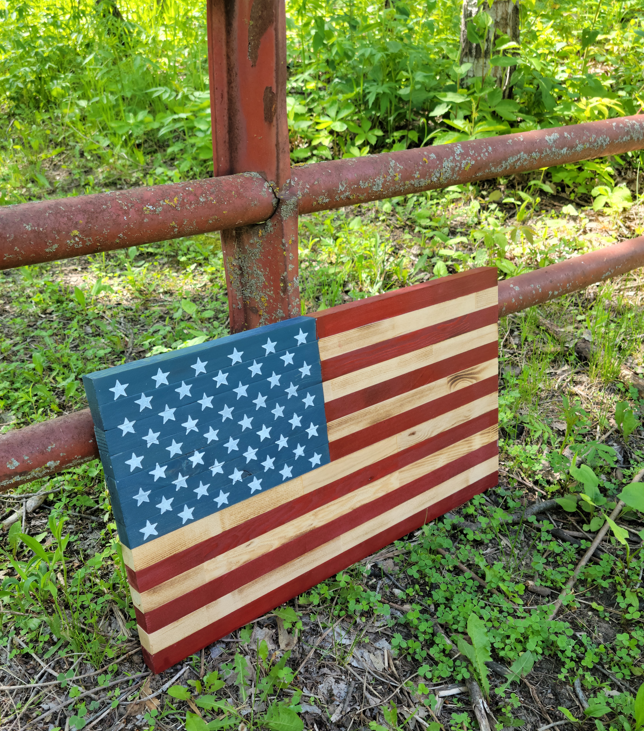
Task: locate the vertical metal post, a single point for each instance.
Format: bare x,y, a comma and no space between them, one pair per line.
247,62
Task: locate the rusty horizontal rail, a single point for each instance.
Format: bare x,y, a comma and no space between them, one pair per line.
66,441
49,230
57,229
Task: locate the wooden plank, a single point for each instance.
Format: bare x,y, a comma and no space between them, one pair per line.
395,367
391,304
159,549
350,424
446,314
364,498
256,526
207,615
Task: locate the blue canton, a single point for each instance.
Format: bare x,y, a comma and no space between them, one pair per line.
185,434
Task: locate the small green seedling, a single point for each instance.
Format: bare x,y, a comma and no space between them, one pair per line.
626,419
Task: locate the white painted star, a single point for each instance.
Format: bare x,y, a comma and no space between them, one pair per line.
165,505
226,413
308,400
181,481
183,390
255,485
295,421
291,390
269,346
201,490
301,337
142,497
286,472
236,356
158,472
312,431
126,426
145,402
174,448
240,390
299,451
186,514
190,425
212,434
221,378
167,414
245,423
135,462
278,411
260,401
264,432
315,459
274,380
255,369
196,458
250,454
268,463
222,499
305,370
161,378
119,389
149,530
216,468
287,358
206,402
231,444
236,475
152,437
282,442
199,367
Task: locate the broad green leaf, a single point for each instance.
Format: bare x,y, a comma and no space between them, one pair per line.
633,496
620,533
505,61
195,723
478,633
211,702
472,35
32,543
596,710
521,666
283,718
452,96
180,692
638,708
569,504
589,480
79,296
568,714
189,307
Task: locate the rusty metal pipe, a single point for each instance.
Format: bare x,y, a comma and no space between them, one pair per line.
542,285
31,233
46,448
52,446
327,185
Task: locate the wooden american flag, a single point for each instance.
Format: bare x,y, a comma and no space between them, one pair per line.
393,421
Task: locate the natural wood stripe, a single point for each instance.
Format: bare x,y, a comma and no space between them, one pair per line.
220,608
370,376
165,546
364,418
213,569
376,332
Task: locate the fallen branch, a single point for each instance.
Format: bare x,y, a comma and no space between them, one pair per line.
33,503
517,517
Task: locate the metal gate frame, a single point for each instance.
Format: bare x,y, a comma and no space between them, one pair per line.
255,199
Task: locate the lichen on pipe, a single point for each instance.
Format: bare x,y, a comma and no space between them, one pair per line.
48,230
327,185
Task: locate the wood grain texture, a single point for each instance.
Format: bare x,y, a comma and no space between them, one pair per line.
367,500
391,304
230,603
352,423
209,528
253,528
434,323
393,368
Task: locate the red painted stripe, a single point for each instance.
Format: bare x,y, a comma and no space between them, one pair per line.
160,661
166,569
408,419
393,347
310,540
383,306
398,385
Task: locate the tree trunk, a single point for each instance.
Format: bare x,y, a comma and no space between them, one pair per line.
505,22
